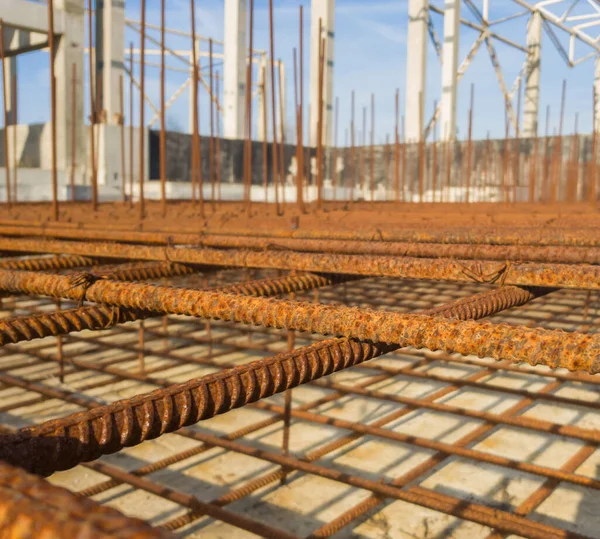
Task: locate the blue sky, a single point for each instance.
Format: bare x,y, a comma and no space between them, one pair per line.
370,57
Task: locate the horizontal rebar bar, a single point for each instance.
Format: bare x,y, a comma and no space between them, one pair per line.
64,443
574,351
32,507
496,235
47,263
100,317
485,271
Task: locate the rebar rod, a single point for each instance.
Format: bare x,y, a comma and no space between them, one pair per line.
32,507
574,236
63,443
100,317
580,276
48,263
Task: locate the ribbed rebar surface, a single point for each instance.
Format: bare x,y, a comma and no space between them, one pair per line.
64,443
48,263
38,326
32,507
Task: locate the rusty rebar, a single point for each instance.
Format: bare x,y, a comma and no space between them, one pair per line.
556,254
32,507
142,133
63,443
574,351
48,263
5,109
585,277
100,317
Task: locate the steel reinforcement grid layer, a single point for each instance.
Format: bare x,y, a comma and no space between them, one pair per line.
223,390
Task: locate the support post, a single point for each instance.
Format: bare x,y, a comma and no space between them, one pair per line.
532,80
416,67
234,91
450,69
597,86
323,10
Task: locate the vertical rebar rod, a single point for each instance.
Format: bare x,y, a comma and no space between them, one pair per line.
372,147
74,129
516,149
122,135
94,175
573,166
211,163
352,153
59,351
282,174
5,108
298,128
52,49
248,143
344,179
300,165
434,164
533,168
397,148
545,170
141,361
421,156
142,95
163,121
15,119
195,135
386,159
593,163
320,119
363,144
334,170
505,157
131,125
558,152
218,140
274,111
265,148
403,178
449,167
469,147
165,329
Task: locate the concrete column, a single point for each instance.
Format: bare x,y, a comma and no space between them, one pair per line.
449,69
110,56
597,86
325,11
532,80
263,102
13,39
69,51
234,84
416,67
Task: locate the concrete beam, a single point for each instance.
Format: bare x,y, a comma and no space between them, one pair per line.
31,17
532,79
234,84
450,69
323,10
416,67
20,42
